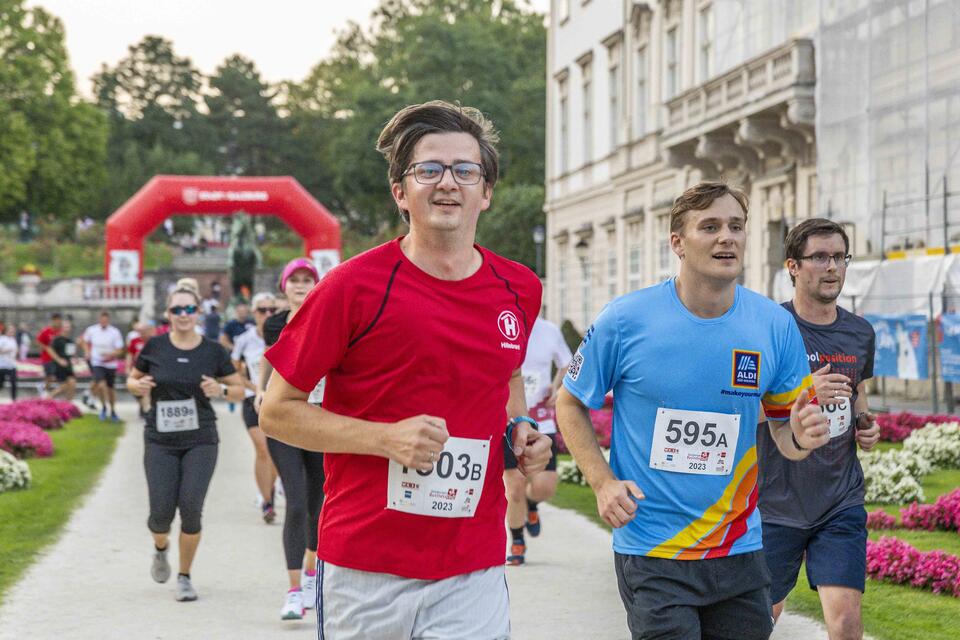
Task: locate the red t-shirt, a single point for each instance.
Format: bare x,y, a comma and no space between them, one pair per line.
136,346
45,337
393,343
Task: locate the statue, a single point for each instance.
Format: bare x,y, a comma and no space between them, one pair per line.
245,257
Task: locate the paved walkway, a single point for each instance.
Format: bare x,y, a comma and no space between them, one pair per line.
94,583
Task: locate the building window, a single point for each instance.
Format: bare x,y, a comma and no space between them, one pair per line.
634,257
564,127
705,27
641,91
587,112
664,264
562,279
611,268
670,52
613,55
586,274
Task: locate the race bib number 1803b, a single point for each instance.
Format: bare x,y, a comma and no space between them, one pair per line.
701,442
451,489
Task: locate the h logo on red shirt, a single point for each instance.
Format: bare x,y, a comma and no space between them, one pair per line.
509,325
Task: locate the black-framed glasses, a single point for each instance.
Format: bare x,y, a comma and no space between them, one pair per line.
179,310
464,173
267,310
822,260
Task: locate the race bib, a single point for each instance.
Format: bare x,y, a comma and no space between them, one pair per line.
840,416
451,489
700,442
177,415
531,385
70,349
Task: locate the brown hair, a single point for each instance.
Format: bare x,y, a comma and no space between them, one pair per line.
405,129
797,238
699,197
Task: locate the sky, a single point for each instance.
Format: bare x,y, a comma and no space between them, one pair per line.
285,38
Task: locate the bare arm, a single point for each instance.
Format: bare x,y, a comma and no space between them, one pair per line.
287,416
615,498
807,426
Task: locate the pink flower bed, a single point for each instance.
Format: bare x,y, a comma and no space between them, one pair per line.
895,427
602,425
943,514
25,439
46,414
880,519
896,561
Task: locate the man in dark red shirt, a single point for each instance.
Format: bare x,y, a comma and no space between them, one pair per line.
45,339
421,341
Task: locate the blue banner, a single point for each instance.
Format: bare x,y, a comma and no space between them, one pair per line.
950,347
901,350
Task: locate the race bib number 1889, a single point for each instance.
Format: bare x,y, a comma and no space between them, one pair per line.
700,442
451,489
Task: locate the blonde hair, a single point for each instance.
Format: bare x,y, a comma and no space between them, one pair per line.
188,286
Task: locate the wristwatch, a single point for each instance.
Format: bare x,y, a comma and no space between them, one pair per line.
224,389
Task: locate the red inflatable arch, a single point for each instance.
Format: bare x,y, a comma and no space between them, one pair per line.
164,196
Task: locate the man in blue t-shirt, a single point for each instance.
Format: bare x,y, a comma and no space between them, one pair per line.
689,362
813,508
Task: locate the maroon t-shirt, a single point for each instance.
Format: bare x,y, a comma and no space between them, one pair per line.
393,343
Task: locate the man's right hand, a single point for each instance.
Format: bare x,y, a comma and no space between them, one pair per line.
416,442
616,501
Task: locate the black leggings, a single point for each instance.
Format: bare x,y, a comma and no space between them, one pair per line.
11,375
177,477
302,475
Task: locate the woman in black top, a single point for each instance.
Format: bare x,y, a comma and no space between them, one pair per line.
182,371
300,471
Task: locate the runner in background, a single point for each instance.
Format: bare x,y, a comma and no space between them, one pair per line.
301,471
182,371
64,350
8,358
141,333
246,355
812,509
44,338
545,350
103,347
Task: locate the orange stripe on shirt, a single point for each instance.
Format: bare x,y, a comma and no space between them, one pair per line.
777,405
705,524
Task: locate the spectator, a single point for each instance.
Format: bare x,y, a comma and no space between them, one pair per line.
211,322
24,339
240,323
25,226
8,358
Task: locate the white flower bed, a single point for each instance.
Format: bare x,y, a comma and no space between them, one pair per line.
893,477
568,471
14,474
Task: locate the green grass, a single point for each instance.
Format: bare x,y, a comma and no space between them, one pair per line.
57,258
33,518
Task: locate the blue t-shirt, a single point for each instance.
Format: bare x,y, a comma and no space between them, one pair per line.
694,386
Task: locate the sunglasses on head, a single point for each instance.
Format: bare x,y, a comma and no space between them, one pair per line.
267,310
180,310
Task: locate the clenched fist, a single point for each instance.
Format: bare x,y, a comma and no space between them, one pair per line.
810,426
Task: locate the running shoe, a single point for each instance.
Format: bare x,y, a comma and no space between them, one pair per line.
160,568
41,390
308,587
293,606
185,590
114,417
517,551
533,523
103,414
269,514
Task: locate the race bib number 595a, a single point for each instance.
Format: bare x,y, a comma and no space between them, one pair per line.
701,442
451,489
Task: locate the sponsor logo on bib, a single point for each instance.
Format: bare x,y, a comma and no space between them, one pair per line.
746,369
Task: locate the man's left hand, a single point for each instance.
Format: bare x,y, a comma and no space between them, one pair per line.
531,448
868,431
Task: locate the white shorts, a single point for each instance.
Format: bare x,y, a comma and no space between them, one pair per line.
361,605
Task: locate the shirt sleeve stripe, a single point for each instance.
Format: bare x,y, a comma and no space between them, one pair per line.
778,405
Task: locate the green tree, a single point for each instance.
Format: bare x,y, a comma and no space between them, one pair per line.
250,136
507,227
483,54
53,144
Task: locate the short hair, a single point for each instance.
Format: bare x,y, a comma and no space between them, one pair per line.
797,237
263,295
699,197
104,312
409,125
56,315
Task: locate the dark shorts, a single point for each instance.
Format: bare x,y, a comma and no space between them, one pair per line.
250,417
724,598
49,369
61,374
510,460
105,374
836,553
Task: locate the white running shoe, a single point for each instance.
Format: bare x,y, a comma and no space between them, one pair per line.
308,586
160,568
292,606
185,590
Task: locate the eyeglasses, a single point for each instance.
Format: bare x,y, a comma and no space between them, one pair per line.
822,260
464,173
267,310
180,310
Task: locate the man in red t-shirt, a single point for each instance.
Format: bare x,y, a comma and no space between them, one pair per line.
47,360
421,341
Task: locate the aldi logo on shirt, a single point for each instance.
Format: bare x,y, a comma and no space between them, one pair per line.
746,369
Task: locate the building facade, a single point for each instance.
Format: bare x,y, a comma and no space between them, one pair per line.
647,98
